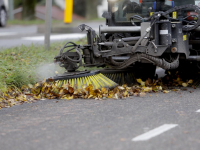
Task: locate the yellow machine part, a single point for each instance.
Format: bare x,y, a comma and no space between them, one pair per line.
68,11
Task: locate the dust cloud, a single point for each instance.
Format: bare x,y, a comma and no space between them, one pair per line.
46,71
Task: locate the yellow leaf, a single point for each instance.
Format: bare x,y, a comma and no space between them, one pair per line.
69,98
184,84
111,94
104,91
147,89
165,91
139,80
116,96
159,88
90,96
89,88
190,81
175,90
125,94
142,83
121,88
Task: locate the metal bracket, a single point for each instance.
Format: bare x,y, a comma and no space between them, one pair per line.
125,49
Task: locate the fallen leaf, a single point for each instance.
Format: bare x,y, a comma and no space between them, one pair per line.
165,91
184,84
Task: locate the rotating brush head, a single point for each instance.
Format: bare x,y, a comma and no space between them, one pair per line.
78,79
121,77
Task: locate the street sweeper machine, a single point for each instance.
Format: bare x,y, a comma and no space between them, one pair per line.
139,36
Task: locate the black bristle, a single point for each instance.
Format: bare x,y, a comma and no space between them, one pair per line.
124,77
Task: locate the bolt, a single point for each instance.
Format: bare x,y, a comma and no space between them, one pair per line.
173,40
173,25
174,50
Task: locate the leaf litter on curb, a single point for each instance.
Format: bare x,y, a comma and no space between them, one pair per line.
48,89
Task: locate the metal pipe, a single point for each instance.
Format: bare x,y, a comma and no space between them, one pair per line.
194,42
119,29
106,43
11,8
111,43
194,58
128,39
197,29
48,24
120,58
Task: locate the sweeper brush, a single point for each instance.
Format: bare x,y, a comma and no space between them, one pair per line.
80,79
146,33
121,77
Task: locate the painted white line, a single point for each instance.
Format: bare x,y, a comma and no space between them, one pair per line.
56,37
155,132
198,111
7,33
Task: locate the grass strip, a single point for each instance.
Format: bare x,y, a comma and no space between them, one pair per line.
31,22
22,65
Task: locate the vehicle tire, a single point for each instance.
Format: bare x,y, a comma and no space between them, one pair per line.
3,17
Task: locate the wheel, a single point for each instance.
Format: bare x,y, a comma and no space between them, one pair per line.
2,17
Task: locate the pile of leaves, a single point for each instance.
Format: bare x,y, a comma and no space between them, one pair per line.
48,89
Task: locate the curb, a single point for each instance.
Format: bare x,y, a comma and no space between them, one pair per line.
68,28
41,29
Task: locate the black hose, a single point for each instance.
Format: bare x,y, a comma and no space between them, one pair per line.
161,62
65,46
157,61
185,28
177,8
115,63
74,46
72,60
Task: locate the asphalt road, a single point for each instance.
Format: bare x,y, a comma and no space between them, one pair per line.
104,125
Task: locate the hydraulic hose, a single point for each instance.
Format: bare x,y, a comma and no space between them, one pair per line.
74,46
197,10
157,61
115,63
177,8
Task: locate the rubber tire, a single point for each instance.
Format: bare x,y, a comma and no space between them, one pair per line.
4,15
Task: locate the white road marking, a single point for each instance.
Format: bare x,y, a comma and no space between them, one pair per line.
7,33
56,37
198,111
155,132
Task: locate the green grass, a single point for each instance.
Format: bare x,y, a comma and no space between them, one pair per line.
26,64
30,22
98,19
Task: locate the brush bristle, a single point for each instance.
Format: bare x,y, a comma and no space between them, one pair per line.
98,81
122,78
